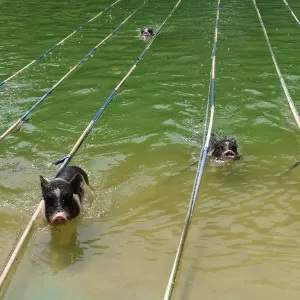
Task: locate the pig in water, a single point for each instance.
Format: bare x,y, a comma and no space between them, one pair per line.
146,33
225,149
63,196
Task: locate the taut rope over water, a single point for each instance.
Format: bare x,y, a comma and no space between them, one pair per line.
59,43
290,9
79,142
198,178
20,121
285,89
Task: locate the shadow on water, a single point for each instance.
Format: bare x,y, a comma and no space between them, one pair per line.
63,249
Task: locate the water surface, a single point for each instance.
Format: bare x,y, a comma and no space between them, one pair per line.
244,239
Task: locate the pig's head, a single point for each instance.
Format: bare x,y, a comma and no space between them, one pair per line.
61,199
224,149
147,32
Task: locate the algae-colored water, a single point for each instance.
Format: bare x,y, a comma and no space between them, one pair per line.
244,239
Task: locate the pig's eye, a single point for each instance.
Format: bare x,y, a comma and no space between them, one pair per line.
219,146
49,200
233,146
66,198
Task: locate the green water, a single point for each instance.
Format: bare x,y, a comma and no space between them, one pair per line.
244,239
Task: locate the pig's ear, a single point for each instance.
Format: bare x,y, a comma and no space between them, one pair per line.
76,181
44,182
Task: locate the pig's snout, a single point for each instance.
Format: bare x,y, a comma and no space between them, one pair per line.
59,218
229,154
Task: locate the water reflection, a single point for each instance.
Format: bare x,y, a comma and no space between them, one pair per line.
63,249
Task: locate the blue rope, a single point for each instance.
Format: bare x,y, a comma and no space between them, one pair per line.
88,129
200,169
59,43
282,82
290,9
67,159
17,125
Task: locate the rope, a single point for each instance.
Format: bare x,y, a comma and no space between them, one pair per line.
16,126
285,89
199,174
59,43
79,142
288,6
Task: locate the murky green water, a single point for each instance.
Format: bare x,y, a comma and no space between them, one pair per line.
244,239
